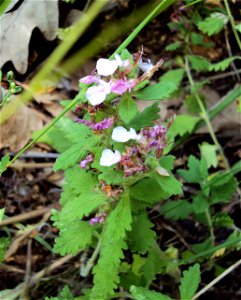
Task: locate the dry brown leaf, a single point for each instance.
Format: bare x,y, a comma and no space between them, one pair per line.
17,130
17,27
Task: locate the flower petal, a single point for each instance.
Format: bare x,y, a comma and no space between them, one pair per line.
109,158
89,79
121,135
106,67
95,95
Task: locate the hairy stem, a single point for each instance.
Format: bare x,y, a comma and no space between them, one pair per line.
232,23
210,225
91,261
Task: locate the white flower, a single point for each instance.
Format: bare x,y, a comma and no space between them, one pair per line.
145,66
109,158
106,67
120,134
121,63
97,94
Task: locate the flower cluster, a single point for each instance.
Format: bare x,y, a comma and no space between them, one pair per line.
118,84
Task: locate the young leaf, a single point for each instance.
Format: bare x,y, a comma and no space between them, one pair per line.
141,237
200,203
140,293
199,63
183,124
1,214
112,177
197,172
189,282
145,118
211,25
174,76
127,109
74,236
105,272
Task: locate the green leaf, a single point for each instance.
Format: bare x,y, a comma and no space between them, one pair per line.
70,157
157,91
173,46
167,162
222,188
200,203
173,76
190,282
63,134
168,84
238,27
1,214
177,210
4,244
222,219
169,184
199,63
208,152
111,177
197,172
141,237
211,25
145,118
73,238
4,162
183,124
127,109
140,293
222,65
105,272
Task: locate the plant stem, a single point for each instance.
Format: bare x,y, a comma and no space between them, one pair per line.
217,279
205,116
210,225
67,108
232,23
91,261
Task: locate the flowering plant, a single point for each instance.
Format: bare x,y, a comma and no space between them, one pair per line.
110,171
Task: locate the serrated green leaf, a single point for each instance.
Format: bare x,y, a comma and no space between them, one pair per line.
222,188
222,65
197,172
70,157
167,162
105,272
4,162
168,84
177,210
183,124
145,118
173,76
169,184
112,177
222,219
211,25
74,236
141,238
190,282
200,203
140,293
156,263
173,46
199,63
127,109
208,152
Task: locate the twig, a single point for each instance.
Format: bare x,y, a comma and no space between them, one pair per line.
31,154
28,271
30,165
217,279
25,216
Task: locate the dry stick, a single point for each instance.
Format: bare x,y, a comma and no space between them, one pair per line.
26,216
217,279
24,293
19,165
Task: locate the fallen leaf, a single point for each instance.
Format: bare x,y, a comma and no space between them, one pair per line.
17,27
17,130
